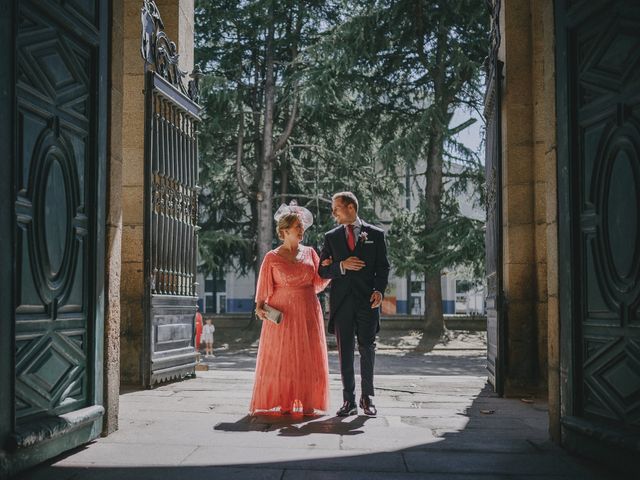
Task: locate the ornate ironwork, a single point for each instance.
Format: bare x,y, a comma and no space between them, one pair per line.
172,156
493,236
171,201
159,51
494,36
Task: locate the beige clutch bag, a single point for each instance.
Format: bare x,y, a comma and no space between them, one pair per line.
273,314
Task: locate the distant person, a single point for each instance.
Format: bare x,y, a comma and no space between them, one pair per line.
198,329
292,370
359,273
207,336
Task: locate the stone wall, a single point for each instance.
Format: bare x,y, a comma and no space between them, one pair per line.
113,228
519,206
132,146
530,201
547,112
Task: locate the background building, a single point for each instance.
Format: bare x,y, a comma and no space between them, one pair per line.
462,293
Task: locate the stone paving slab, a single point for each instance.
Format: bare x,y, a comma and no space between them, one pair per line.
156,473
434,426
496,463
109,454
310,459
291,475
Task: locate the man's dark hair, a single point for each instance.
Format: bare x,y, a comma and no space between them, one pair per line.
347,198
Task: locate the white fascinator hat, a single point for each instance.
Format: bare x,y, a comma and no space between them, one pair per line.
305,215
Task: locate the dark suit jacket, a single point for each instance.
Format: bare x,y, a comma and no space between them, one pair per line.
357,284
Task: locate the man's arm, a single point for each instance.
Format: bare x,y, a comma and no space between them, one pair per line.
329,271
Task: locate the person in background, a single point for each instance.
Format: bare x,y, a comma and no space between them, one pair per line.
207,337
198,338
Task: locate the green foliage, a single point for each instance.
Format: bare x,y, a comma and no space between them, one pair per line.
455,240
319,158
400,68
377,82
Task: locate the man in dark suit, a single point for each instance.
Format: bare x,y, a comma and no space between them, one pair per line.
359,273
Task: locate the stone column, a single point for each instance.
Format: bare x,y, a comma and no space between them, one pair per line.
540,123
545,206
132,147
519,195
549,147
177,16
113,228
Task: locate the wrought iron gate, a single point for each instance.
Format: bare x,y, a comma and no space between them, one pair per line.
493,235
171,206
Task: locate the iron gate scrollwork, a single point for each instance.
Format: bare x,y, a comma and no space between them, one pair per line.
171,205
493,235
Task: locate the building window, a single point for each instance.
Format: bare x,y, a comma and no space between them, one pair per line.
222,303
416,305
463,286
209,304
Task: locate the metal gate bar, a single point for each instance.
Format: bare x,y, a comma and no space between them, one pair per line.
172,116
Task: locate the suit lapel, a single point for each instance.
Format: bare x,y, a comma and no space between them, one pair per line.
341,240
364,227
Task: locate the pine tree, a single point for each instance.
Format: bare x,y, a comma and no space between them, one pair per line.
409,64
303,99
249,50
266,139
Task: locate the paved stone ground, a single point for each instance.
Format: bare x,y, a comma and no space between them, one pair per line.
438,420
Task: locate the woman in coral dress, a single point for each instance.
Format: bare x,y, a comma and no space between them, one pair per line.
292,371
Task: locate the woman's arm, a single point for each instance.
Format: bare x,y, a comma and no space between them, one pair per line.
318,282
264,287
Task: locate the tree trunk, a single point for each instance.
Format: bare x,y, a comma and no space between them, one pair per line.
265,182
434,321
284,180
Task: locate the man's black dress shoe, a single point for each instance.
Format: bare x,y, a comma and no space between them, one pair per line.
347,408
368,407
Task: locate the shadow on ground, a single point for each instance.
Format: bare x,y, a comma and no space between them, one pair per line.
502,439
296,426
457,352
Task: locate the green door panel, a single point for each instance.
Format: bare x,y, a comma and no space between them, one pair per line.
58,166
598,60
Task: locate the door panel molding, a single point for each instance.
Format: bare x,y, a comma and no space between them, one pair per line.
53,207
598,107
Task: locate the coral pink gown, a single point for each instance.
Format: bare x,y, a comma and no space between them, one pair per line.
292,370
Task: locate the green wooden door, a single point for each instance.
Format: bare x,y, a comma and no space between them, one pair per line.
58,158
599,186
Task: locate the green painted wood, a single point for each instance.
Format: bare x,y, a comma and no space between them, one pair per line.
6,220
58,185
598,64
565,216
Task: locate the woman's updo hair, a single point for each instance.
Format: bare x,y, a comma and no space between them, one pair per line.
285,222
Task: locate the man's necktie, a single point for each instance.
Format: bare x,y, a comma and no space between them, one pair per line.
351,238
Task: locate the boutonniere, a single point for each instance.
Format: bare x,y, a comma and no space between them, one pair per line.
363,237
